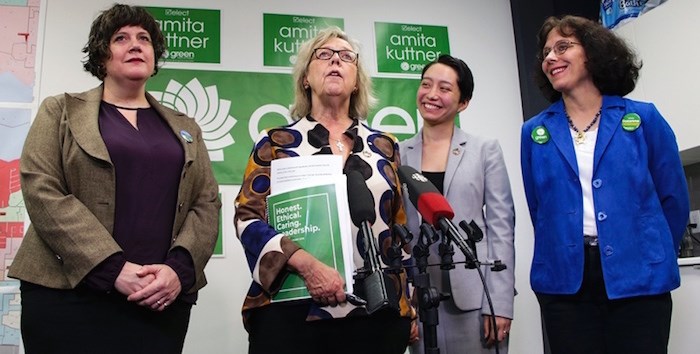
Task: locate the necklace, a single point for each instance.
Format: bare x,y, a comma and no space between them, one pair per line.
126,108
340,145
581,134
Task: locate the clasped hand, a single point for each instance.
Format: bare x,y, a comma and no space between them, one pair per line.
154,286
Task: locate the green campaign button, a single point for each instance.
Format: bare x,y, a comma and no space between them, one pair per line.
540,134
631,121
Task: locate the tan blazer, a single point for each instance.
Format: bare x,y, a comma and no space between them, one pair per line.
68,186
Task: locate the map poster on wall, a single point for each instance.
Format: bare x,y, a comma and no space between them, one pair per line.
406,48
14,125
284,34
191,35
19,32
19,26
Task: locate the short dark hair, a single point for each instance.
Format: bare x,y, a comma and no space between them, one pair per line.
465,79
613,65
110,21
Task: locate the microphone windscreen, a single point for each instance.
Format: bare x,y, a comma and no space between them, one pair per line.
416,183
424,195
433,206
360,199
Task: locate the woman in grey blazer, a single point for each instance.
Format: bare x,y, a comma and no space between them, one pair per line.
470,172
123,205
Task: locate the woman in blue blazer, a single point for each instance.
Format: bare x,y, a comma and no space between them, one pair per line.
607,197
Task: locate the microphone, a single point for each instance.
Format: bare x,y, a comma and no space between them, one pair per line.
433,207
362,214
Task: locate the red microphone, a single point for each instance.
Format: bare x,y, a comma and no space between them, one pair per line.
432,206
425,196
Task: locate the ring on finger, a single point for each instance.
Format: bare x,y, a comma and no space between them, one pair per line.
158,302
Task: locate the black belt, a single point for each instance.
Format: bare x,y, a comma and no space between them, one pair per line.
590,240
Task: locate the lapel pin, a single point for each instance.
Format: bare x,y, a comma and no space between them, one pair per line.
185,135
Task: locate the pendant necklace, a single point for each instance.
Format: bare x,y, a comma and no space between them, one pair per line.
340,145
581,134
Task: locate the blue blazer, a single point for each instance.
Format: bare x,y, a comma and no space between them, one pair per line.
640,196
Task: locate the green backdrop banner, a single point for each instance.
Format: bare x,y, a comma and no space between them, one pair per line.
232,108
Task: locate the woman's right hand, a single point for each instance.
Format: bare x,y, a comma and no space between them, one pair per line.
129,282
324,283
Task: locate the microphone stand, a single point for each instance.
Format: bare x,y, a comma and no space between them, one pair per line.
428,297
468,248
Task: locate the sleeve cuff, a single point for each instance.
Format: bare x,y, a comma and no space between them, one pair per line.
183,265
102,277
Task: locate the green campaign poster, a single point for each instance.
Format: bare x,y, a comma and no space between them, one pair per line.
191,35
309,216
406,48
284,34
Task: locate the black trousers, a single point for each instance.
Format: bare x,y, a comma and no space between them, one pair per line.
281,328
83,321
589,323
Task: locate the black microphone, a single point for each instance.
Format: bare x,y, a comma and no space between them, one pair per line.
433,207
363,216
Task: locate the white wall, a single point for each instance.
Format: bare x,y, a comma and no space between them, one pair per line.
481,33
667,39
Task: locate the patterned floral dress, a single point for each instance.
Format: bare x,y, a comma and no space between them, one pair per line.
374,154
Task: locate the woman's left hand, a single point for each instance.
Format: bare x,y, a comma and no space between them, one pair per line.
162,291
414,336
325,284
502,329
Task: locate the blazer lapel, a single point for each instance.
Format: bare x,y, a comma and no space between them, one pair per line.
413,158
457,149
558,126
173,118
610,119
414,151
82,111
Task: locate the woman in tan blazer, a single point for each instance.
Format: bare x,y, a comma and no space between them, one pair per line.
123,205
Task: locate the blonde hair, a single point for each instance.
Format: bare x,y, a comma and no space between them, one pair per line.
360,102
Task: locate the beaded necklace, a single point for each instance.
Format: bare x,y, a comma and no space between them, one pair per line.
581,134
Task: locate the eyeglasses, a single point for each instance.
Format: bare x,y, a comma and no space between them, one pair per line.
345,55
559,48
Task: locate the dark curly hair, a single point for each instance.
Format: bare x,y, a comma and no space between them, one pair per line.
110,21
465,79
610,61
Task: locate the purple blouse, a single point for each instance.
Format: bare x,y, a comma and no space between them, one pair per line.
147,162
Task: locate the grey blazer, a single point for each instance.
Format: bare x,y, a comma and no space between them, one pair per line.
477,187
69,189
